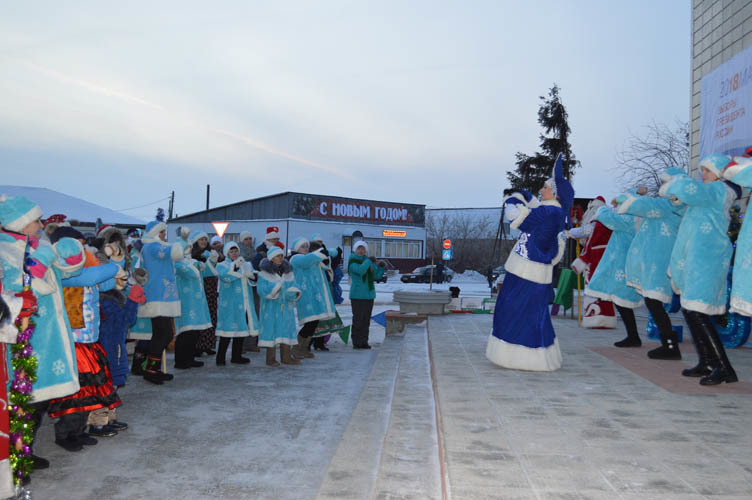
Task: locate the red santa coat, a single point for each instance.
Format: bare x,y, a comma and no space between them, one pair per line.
597,313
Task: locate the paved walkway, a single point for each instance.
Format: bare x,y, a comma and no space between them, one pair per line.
421,416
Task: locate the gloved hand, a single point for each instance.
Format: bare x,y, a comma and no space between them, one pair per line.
206,254
29,306
620,199
213,256
136,294
39,260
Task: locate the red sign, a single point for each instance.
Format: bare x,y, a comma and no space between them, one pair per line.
447,244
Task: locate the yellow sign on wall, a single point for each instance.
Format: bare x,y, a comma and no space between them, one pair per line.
393,233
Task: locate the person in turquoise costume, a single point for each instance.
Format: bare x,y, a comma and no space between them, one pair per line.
700,262
740,172
23,252
194,310
278,293
315,303
363,273
523,336
609,282
162,299
236,316
648,259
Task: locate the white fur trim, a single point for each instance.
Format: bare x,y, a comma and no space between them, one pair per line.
612,298
519,357
734,170
562,241
8,331
156,309
660,297
295,289
579,266
324,316
41,287
188,328
74,267
599,321
536,272
664,187
176,252
154,233
279,340
622,209
701,307
740,306
534,203
233,334
524,212
56,391
26,219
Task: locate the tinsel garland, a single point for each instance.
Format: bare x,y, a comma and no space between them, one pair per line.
21,426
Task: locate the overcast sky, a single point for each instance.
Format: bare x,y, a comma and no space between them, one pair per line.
407,101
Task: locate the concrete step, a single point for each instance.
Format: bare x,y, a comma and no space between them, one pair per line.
390,447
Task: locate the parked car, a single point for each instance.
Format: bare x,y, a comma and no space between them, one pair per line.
423,275
498,274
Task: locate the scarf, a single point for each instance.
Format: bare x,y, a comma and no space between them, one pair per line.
367,276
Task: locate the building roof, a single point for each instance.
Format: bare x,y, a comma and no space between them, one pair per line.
55,202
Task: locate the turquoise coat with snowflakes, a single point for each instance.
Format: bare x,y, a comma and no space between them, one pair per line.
741,291
92,280
161,290
57,372
316,302
194,310
702,253
650,251
278,294
609,282
236,315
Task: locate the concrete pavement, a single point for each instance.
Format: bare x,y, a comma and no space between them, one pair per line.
422,415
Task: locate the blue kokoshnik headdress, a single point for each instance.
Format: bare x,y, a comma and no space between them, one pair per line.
561,188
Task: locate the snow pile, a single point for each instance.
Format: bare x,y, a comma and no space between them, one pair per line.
469,275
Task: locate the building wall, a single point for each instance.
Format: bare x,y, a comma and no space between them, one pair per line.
720,30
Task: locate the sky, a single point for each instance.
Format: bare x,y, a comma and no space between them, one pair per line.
408,101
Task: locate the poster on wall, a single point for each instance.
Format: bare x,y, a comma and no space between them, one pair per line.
320,207
726,107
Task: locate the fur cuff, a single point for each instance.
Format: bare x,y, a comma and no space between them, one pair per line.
524,212
622,209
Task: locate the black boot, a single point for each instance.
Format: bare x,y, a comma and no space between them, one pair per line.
704,364
669,348
138,363
237,352
151,371
224,342
633,338
722,370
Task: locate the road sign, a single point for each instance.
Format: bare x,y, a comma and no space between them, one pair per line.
446,255
220,227
447,244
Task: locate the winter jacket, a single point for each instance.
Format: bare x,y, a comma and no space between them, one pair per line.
741,292
702,253
92,280
316,301
650,252
236,316
609,282
118,314
161,292
189,275
358,268
278,293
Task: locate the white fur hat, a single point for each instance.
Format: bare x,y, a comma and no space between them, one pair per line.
244,235
360,243
228,247
299,242
274,251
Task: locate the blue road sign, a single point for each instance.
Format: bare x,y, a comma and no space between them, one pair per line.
446,255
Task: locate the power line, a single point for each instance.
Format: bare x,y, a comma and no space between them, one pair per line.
142,206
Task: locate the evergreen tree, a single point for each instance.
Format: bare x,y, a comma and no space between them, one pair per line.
532,171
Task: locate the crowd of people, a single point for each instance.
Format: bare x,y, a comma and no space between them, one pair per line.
88,294
642,249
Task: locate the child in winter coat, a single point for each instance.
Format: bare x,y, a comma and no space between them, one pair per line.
363,273
278,293
236,317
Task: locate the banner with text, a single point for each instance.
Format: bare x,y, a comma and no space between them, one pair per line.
726,107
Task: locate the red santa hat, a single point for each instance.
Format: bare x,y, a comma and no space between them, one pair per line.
601,198
58,219
272,232
100,233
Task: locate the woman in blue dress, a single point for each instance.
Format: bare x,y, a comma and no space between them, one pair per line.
523,336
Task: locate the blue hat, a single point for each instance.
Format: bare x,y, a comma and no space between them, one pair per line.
197,235
17,212
562,187
153,228
715,163
274,251
299,242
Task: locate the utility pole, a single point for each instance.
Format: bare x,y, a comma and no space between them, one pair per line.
172,202
207,196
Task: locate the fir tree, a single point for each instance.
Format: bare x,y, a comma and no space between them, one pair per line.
532,171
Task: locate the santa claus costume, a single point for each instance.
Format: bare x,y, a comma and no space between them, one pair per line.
597,312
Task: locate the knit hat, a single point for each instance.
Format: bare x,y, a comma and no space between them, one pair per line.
66,232
715,163
228,247
360,243
17,212
215,239
153,229
244,235
274,251
272,232
197,235
299,242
